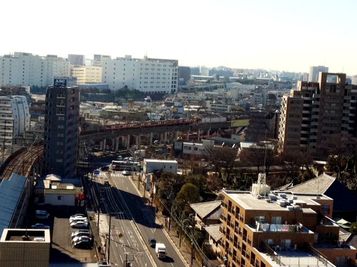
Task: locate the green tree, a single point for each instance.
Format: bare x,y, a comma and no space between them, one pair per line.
189,193
168,185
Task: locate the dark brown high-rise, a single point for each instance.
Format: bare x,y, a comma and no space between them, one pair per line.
319,117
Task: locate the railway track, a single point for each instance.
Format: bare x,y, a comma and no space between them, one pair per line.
22,164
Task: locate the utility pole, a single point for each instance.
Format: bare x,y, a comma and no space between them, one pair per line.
109,236
192,254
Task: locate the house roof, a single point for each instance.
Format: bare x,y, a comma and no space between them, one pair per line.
203,209
318,185
343,199
214,232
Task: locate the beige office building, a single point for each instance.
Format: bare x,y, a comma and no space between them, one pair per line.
87,74
319,117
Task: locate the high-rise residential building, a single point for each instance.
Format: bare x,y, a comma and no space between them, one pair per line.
184,75
264,228
319,117
354,79
99,59
14,118
87,74
314,72
147,75
32,70
76,60
61,128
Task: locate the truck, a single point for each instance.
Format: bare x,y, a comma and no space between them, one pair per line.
160,250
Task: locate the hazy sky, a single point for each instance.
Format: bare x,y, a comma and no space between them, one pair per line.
276,34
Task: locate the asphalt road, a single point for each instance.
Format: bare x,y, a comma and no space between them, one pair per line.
126,244
142,222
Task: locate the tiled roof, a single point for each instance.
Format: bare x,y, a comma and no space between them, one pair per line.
203,209
318,185
214,232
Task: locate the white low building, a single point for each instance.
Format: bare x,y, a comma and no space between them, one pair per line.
59,193
196,149
155,165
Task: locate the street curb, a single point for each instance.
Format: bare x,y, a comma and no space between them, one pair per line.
165,232
175,247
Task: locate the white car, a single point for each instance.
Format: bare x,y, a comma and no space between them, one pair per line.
126,173
79,224
81,232
77,218
80,238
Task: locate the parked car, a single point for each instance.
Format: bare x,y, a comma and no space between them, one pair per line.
76,239
86,244
78,218
81,232
41,214
40,226
78,215
79,224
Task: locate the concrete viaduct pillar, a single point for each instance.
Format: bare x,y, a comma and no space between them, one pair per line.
150,138
128,142
137,140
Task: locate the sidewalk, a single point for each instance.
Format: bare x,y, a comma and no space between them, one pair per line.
172,234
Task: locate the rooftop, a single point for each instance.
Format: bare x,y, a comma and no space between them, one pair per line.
25,235
251,202
160,160
296,259
203,209
318,185
214,232
11,191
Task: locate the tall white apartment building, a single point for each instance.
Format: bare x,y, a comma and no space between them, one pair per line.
27,69
87,74
14,118
147,75
314,72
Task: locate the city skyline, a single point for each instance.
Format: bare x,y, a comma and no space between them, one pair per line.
273,35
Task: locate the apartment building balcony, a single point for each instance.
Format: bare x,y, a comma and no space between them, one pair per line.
279,228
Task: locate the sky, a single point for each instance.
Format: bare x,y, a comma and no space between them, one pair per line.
288,35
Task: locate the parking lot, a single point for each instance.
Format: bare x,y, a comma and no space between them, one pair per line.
61,248
61,244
